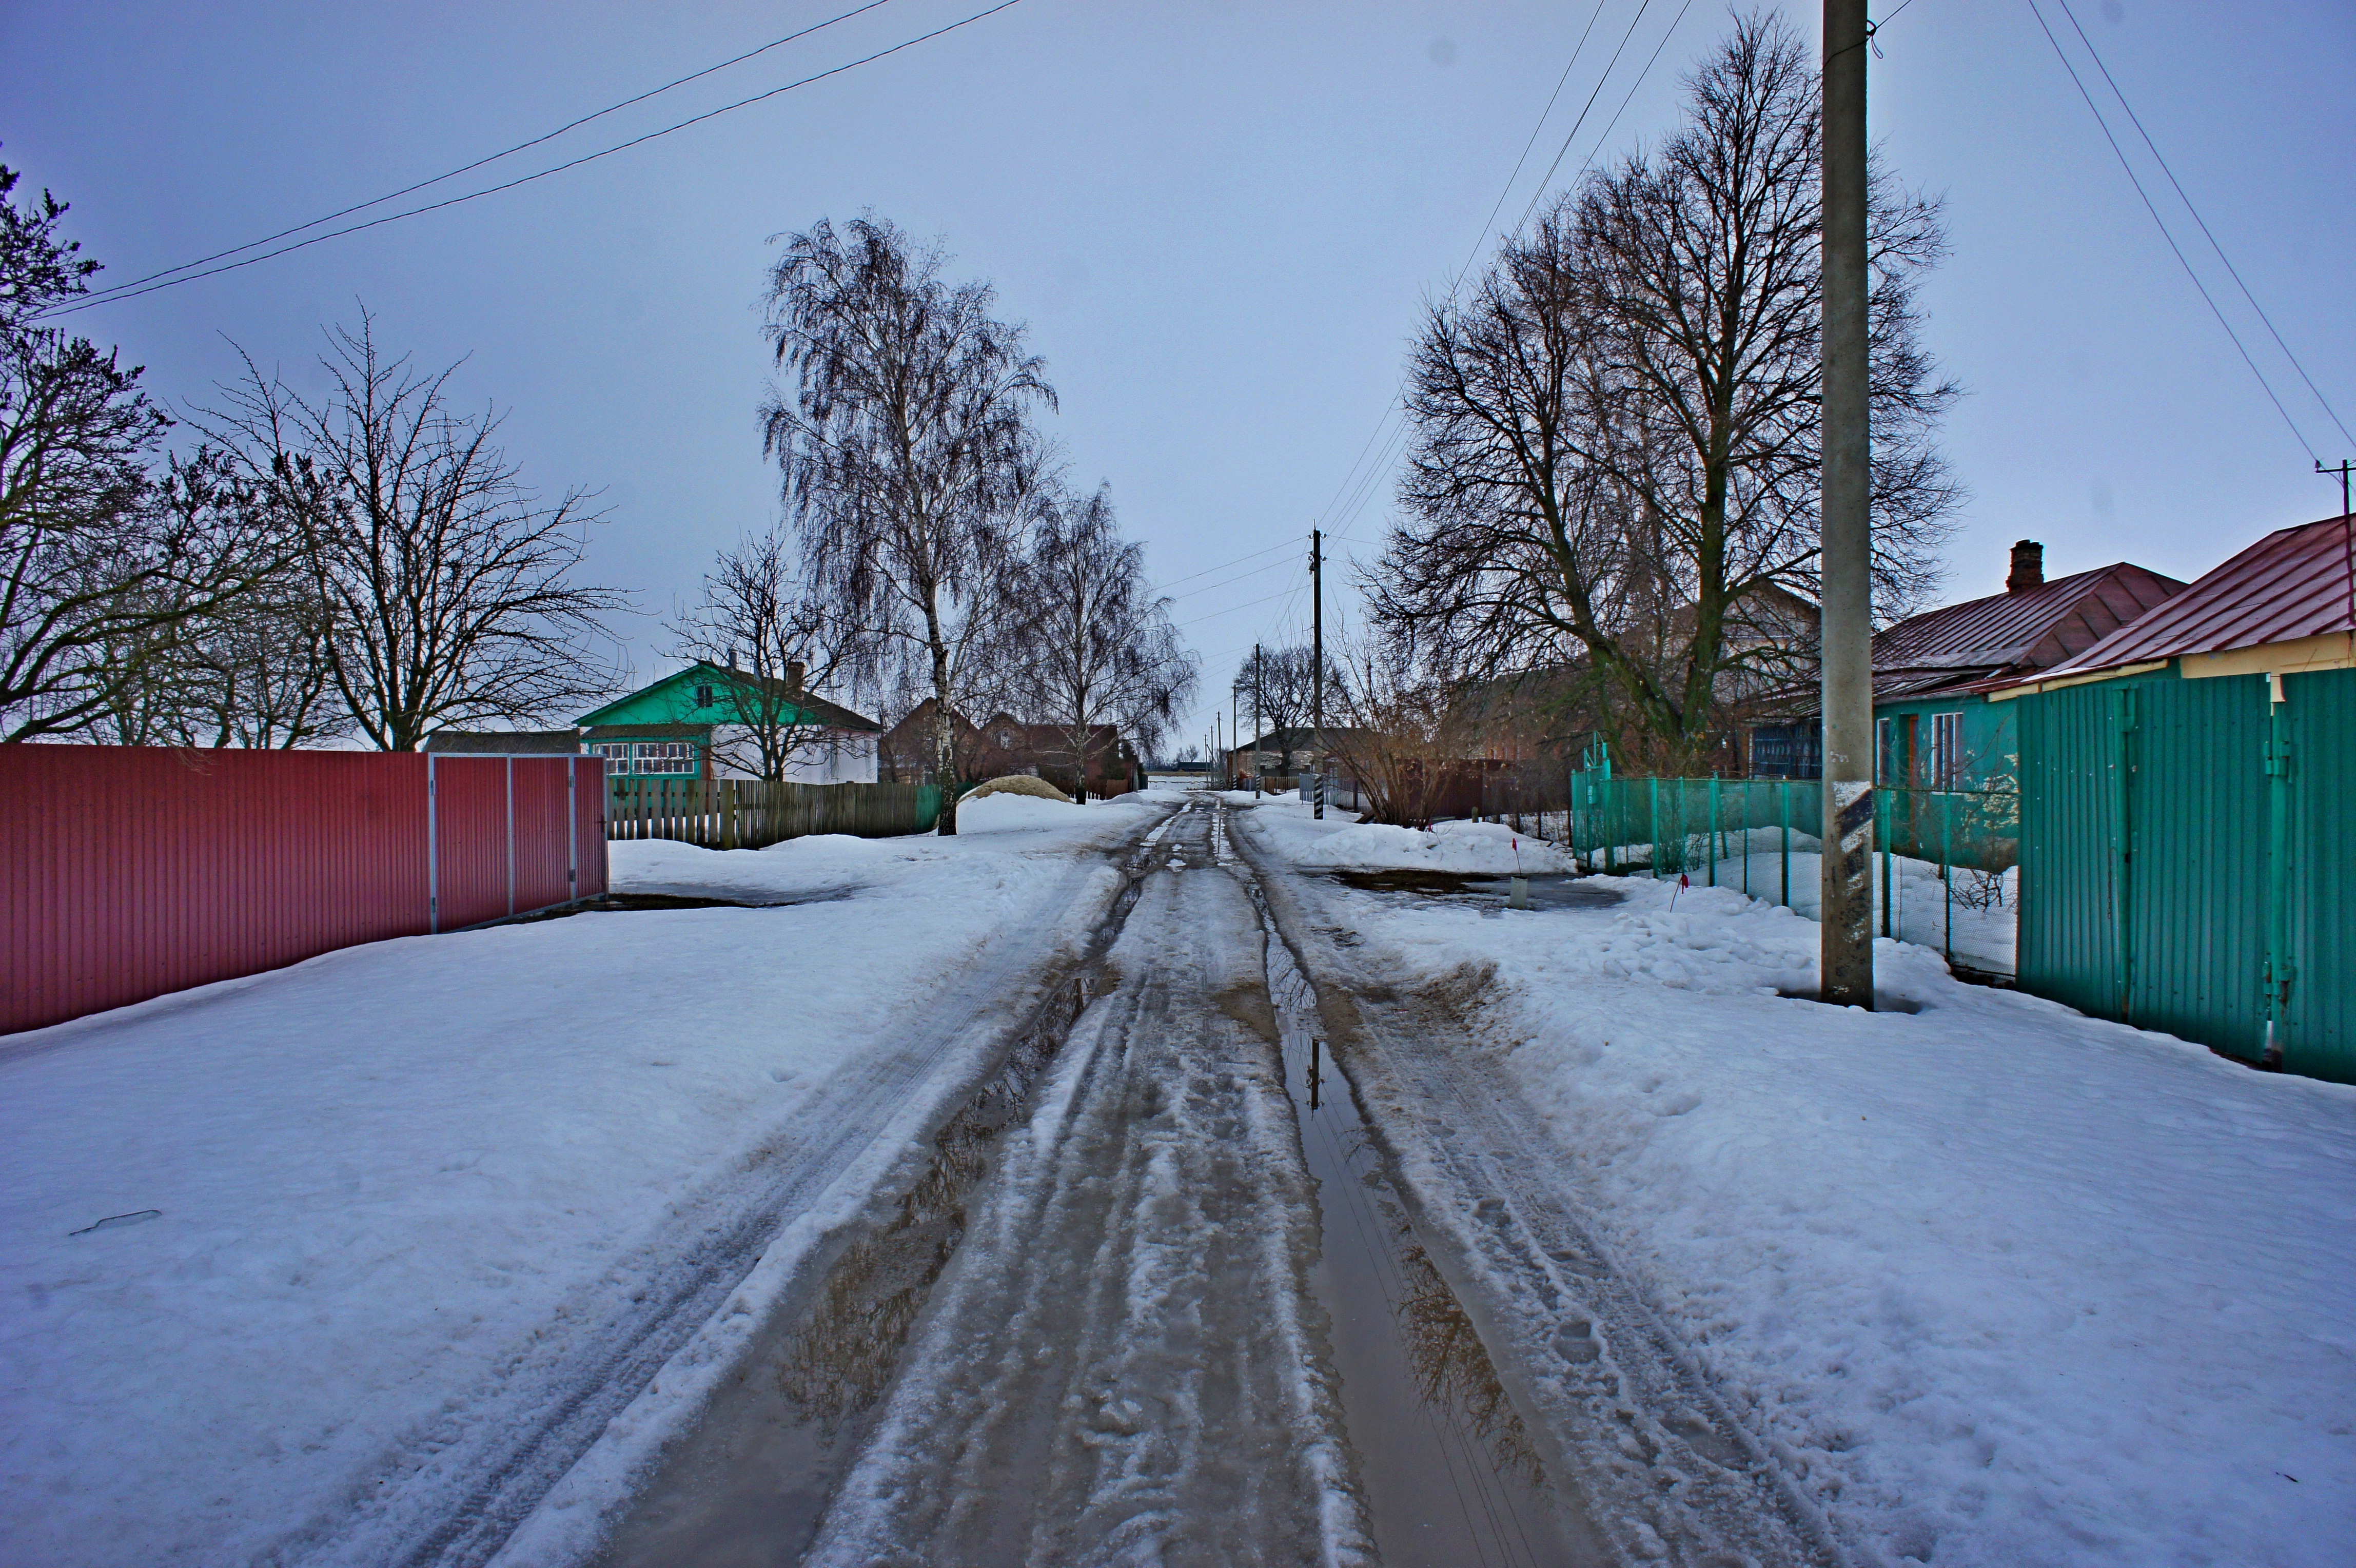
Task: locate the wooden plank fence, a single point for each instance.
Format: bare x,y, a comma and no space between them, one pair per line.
750,814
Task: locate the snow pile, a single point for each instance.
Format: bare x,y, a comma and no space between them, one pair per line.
388,1174
2005,1284
1018,784
1470,848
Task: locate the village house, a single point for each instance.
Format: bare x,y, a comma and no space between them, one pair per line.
1933,726
1106,764
698,722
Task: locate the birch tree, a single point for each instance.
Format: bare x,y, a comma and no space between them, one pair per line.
1102,651
909,462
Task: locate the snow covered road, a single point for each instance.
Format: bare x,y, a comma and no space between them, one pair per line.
435,1215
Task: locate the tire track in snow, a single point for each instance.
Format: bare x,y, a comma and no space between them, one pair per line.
1659,1460
451,1495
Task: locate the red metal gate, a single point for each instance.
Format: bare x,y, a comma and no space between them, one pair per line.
128,872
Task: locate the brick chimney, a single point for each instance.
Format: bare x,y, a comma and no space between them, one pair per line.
795,669
2028,567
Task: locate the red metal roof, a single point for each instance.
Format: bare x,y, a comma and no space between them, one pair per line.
2292,584
2034,628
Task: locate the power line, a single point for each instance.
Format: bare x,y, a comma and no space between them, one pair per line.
1569,65
2234,272
1220,567
544,174
99,296
2120,153
1608,68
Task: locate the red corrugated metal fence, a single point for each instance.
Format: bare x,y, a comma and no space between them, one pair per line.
127,871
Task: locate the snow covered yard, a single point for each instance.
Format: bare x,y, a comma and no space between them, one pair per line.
383,1174
2006,1284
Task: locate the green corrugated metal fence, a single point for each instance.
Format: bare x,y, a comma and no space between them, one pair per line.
2186,859
1743,832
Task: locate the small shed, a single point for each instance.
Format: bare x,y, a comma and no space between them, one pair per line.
2187,850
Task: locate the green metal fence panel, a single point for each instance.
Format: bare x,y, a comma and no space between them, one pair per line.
2318,1027
2070,864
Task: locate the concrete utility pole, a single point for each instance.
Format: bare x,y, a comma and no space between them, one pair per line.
1317,661
1846,500
1255,722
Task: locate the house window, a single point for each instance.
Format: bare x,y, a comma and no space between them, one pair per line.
1948,751
617,753
1884,763
665,757
703,696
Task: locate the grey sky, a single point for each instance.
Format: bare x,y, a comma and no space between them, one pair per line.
1219,220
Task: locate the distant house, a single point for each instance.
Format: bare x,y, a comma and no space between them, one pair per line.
1933,726
1286,752
2186,844
698,723
1003,744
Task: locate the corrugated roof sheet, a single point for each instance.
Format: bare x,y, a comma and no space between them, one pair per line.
2292,584
2002,630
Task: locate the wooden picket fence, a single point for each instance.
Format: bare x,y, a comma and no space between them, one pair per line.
745,813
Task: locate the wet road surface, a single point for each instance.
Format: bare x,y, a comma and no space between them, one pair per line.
1146,1305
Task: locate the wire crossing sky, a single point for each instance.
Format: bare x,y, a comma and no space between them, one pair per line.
1222,222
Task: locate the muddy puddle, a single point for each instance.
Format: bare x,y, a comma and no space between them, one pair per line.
1452,1477
1546,892
748,1486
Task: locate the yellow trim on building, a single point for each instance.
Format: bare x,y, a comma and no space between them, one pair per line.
2088,679
2326,650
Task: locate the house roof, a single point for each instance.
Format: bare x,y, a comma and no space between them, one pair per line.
2016,631
818,709
2295,583
503,743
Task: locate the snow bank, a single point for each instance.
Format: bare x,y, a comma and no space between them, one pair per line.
1340,843
2009,1284
383,1172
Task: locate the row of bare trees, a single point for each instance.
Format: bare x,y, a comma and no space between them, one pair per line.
932,547
1616,428
366,563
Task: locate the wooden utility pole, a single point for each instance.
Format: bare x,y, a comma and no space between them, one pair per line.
1317,662
1847,907
1255,722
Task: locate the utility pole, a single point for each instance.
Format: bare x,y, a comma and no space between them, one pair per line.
1846,509
1317,661
1255,722
2347,530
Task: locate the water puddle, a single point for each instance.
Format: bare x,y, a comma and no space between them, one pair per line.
749,1484
1452,1477
1548,891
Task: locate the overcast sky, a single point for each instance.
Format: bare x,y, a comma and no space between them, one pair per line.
1220,222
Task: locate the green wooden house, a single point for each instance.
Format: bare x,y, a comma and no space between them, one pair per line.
2187,850
698,723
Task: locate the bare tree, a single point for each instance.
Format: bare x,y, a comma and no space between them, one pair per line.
448,581
909,462
1100,651
1279,684
251,671
783,646
98,582
1617,434
1403,733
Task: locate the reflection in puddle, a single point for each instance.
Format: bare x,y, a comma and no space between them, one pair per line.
1449,1471
838,1364
1546,891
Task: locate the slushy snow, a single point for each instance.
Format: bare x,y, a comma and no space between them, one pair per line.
2004,1283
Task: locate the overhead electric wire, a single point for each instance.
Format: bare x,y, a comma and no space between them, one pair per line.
559,168
1609,67
2232,270
1220,567
2132,178
99,296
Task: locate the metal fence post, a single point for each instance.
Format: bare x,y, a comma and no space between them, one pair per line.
1714,844
1746,838
1655,784
433,852
511,835
1784,842
571,829
1948,866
